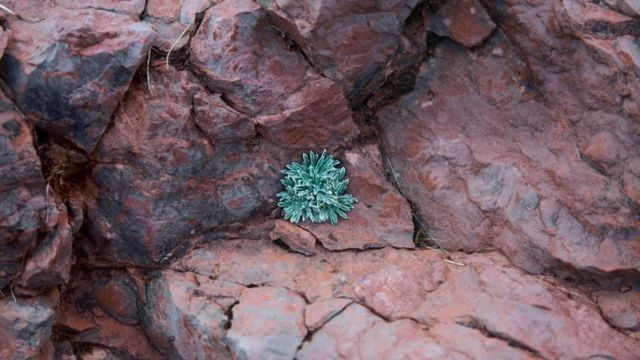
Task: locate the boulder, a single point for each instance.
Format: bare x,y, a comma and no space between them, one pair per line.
351,42
69,70
480,156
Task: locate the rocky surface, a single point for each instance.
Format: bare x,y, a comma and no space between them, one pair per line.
352,42
516,167
69,70
492,147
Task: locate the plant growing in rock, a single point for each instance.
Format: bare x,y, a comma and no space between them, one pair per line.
315,190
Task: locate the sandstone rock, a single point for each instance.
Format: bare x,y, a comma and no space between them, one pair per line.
358,334
298,239
25,328
69,70
22,192
381,217
464,21
479,174
351,42
238,52
578,14
267,322
32,10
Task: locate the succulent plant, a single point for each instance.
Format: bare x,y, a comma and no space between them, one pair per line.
315,190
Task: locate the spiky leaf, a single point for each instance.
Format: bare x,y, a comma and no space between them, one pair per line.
315,190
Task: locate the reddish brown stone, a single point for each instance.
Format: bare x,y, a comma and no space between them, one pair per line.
118,297
50,263
85,323
499,310
22,192
495,172
381,217
464,21
351,42
621,308
237,51
318,313
220,122
162,180
298,239
69,70
25,328
267,322
171,19
185,315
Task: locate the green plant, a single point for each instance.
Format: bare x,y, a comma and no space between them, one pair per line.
315,190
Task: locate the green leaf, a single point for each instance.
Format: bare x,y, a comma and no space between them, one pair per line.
314,190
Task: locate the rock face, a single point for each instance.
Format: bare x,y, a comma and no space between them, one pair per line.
492,147
352,42
381,217
22,191
501,168
267,322
471,296
464,21
260,76
167,166
69,70
25,328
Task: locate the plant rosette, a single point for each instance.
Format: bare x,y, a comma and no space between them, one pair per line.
315,190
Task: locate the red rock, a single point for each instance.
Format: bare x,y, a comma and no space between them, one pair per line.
621,309
318,313
133,7
339,337
628,7
578,13
357,333
50,263
464,21
69,70
185,315
402,339
220,122
267,322
25,328
22,192
156,163
4,39
518,187
298,239
500,311
171,19
381,217
237,51
85,323
118,297
351,42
